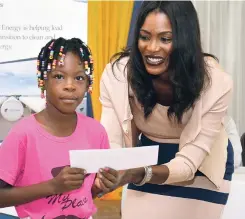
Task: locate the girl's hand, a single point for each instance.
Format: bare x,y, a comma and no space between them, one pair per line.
107,180
68,179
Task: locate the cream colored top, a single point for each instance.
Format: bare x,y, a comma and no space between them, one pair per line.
203,140
157,126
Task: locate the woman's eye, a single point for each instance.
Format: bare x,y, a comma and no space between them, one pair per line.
144,38
166,40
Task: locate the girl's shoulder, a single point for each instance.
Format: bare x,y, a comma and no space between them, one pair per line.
19,133
24,125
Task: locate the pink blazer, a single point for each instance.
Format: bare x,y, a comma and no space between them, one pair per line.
204,129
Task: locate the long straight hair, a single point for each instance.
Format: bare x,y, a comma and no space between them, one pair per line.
187,70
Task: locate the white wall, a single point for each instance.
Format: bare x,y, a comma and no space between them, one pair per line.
5,126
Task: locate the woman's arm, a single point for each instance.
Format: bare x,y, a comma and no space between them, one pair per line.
159,176
184,166
109,118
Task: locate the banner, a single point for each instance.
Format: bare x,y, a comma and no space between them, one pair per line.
27,25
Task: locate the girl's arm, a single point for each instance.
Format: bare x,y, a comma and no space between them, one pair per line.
12,160
68,179
13,196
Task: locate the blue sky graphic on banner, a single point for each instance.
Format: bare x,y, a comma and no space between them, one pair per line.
18,78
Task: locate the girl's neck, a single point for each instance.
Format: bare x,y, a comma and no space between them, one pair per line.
56,122
58,117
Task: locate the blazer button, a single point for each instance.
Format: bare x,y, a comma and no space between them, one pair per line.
126,131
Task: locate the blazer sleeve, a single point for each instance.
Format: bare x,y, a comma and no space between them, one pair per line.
184,166
109,118
233,135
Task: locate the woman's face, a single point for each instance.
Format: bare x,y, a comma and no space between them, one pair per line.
155,42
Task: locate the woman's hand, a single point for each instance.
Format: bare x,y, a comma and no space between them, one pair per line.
159,175
107,179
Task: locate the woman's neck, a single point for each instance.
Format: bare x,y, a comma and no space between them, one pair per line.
164,89
164,78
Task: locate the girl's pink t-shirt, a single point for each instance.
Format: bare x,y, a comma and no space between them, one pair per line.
30,155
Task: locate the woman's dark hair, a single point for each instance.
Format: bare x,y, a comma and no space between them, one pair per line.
187,69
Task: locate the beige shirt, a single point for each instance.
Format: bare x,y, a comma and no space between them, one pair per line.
158,127
203,141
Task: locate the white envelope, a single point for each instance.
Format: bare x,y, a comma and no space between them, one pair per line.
118,159
9,211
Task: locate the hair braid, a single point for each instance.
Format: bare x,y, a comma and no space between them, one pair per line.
53,54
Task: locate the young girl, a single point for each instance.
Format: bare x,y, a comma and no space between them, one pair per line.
34,157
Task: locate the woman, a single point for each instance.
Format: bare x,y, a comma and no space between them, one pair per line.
166,90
